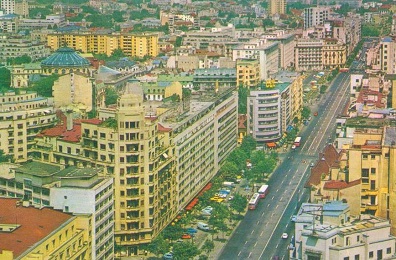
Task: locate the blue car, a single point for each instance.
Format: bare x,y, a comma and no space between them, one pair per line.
191,230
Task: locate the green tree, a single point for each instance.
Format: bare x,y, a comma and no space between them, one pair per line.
208,246
185,251
229,169
117,16
111,96
369,30
248,145
44,86
243,94
5,157
5,78
238,157
344,9
172,232
179,41
203,257
158,246
238,203
19,60
306,112
117,54
39,12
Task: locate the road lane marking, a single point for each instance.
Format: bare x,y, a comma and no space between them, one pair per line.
251,232
262,214
239,253
277,206
274,196
277,246
250,254
262,232
258,222
255,244
245,242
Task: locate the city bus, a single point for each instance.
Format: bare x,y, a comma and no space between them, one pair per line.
297,141
254,201
263,191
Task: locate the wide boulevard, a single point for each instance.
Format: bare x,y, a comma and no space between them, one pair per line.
259,234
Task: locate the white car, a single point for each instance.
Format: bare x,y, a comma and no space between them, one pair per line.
285,236
294,218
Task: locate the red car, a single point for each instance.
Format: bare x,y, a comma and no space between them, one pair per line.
186,236
316,113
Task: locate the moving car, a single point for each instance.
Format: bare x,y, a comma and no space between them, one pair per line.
285,236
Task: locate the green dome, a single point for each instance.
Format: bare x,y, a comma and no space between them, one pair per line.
65,57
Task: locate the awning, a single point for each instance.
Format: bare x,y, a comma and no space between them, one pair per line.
271,145
207,187
191,205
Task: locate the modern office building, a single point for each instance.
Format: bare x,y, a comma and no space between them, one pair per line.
269,110
133,45
22,117
42,233
287,43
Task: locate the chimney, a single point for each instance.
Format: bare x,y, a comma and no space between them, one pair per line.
69,119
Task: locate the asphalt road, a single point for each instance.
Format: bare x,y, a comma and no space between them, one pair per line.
259,235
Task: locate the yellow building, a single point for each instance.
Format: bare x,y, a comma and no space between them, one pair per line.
334,54
276,7
31,233
248,72
133,45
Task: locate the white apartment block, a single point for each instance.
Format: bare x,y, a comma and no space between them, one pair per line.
22,117
388,55
327,231
203,140
266,52
8,6
356,83
314,16
287,44
82,197
268,113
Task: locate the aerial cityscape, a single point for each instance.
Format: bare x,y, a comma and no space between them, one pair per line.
195,129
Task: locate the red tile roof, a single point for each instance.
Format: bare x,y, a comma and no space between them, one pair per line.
339,184
162,128
35,224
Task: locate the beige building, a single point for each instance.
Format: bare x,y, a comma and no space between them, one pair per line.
22,117
309,54
133,45
248,72
42,233
152,160
276,7
334,54
75,88
22,74
16,46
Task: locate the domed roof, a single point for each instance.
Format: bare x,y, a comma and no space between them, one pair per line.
65,57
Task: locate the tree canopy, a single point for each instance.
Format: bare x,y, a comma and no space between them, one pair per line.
5,78
44,86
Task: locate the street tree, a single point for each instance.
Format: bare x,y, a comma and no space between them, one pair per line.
185,251
173,232
238,157
238,203
248,145
229,169
243,93
306,112
158,246
208,246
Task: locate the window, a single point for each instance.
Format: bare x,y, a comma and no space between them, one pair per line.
357,238
346,258
371,254
389,250
66,208
373,157
357,257
373,170
348,242
365,156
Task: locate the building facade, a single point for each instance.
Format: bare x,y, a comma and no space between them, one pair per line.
133,45
16,46
309,54
248,73
314,16
22,117
276,7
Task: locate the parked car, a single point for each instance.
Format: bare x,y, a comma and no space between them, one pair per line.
231,197
186,236
208,208
191,230
203,226
168,255
294,218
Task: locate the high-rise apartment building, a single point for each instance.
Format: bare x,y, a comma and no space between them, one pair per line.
276,7
133,45
269,111
315,16
22,117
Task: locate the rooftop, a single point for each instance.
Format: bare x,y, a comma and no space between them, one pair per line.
72,172
33,225
38,169
65,57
